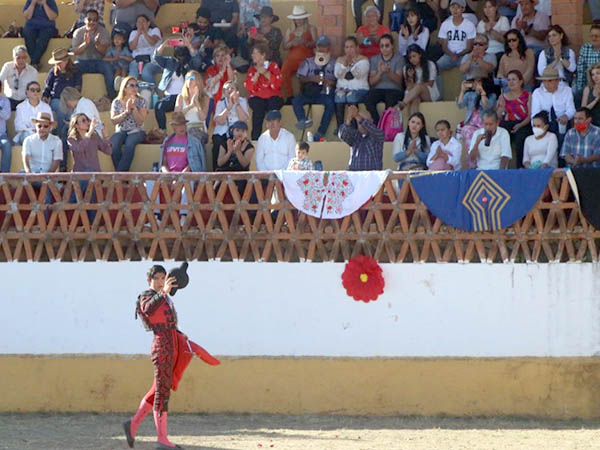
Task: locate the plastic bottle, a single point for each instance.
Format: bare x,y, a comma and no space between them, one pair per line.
154,99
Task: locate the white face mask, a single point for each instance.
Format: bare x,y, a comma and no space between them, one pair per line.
537,131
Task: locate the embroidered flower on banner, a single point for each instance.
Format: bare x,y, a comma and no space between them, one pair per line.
339,188
312,187
363,279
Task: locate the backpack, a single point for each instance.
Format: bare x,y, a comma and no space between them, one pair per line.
391,123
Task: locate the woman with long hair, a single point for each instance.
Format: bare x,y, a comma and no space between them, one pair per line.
413,32
352,73
591,93
419,75
517,57
85,142
493,25
194,102
411,148
558,54
127,112
299,41
514,110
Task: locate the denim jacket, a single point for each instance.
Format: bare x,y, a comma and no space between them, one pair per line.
195,153
169,65
470,100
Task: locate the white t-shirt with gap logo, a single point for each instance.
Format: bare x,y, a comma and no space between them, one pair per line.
457,36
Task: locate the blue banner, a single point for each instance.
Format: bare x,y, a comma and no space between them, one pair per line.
481,200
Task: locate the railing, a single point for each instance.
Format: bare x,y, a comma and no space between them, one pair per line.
50,217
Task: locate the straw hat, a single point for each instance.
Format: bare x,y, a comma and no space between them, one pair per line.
45,118
549,73
299,12
60,54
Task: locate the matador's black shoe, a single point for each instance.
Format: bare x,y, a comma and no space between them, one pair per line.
127,429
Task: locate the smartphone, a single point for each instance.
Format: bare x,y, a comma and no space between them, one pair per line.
176,30
176,42
266,64
253,32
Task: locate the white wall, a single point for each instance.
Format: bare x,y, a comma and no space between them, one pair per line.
426,310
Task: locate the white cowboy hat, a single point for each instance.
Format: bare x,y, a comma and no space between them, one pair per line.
299,12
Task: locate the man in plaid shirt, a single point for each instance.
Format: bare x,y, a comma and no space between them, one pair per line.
581,147
366,142
589,54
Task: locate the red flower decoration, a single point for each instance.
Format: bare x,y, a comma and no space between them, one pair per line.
363,279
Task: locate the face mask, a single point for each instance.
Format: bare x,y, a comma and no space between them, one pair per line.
537,131
581,127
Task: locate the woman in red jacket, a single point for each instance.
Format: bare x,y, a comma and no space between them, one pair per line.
264,86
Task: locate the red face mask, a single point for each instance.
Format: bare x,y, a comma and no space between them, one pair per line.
581,126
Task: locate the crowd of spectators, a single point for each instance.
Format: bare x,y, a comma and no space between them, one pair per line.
526,95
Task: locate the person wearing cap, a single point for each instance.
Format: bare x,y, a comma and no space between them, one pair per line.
267,35
16,75
180,151
276,146
385,77
368,34
5,145
42,151
456,36
264,86
237,154
581,146
27,110
317,78
90,43
364,138
490,146
556,99
40,27
533,25
300,43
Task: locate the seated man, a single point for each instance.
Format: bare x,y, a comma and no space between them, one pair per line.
365,141
5,146
385,77
42,151
533,25
276,146
581,146
589,55
90,43
456,36
490,145
318,87
83,6
478,64
16,75
27,111
203,36
556,99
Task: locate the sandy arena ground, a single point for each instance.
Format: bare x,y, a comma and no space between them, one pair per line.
312,432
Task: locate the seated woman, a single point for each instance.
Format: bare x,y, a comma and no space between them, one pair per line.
411,148
516,57
494,26
419,76
238,152
591,93
268,35
128,112
476,99
28,110
142,42
413,32
514,110
264,87
231,109
368,34
194,102
172,80
558,55
219,73
300,41
352,73
541,149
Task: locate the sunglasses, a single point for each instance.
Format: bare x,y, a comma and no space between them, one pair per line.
384,45
84,119
34,89
512,40
481,44
42,125
131,85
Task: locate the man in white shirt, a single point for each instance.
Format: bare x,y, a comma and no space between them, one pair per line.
556,99
490,145
276,146
42,151
456,36
28,110
16,75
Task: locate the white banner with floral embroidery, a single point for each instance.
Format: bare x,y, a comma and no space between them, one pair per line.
330,195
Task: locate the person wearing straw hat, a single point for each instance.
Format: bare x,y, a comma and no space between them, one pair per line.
300,41
556,99
42,151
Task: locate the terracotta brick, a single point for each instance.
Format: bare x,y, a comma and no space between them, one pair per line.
565,8
335,10
328,20
333,30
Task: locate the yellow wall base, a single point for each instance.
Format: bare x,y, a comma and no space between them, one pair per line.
541,387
